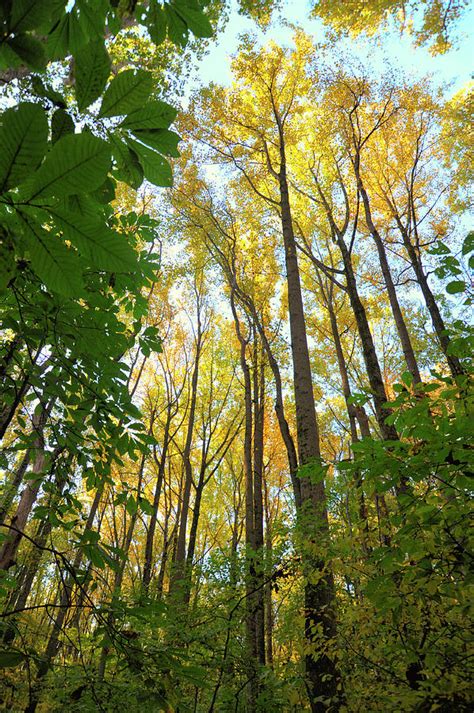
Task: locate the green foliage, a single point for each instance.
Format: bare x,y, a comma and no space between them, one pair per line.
74,271
91,72
416,587
23,143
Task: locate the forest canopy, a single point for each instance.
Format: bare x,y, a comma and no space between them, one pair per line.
236,360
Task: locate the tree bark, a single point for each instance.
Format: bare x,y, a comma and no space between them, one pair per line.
322,675
179,563
431,304
402,330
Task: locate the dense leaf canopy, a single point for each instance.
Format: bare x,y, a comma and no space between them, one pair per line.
236,364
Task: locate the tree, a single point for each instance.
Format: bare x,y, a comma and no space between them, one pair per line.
355,17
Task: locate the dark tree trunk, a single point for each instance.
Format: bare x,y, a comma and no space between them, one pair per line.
250,619
402,330
258,441
179,562
321,672
431,304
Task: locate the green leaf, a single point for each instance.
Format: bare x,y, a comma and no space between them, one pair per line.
106,192
196,20
177,28
154,115
29,50
455,287
131,505
91,70
28,14
76,164
128,91
10,659
95,555
156,168
61,125
146,506
129,169
162,140
468,244
156,23
45,90
105,248
67,38
55,264
23,141
91,16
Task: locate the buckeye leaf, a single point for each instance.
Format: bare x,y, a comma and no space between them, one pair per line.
61,125
55,264
156,168
47,91
77,163
23,141
154,115
177,28
161,140
128,91
103,247
28,14
195,19
156,23
91,69
129,169
29,50
67,38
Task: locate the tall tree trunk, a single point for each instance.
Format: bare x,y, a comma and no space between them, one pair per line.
150,535
179,563
351,408
251,619
38,423
25,505
431,304
268,585
7,409
258,441
402,330
369,352
20,596
321,672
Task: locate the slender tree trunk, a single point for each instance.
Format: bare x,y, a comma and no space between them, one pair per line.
402,330
251,619
27,500
372,365
258,447
321,672
179,563
38,423
8,410
20,597
351,410
150,535
13,485
279,408
268,585
431,304
120,569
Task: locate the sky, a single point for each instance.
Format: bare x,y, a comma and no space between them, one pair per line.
454,67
